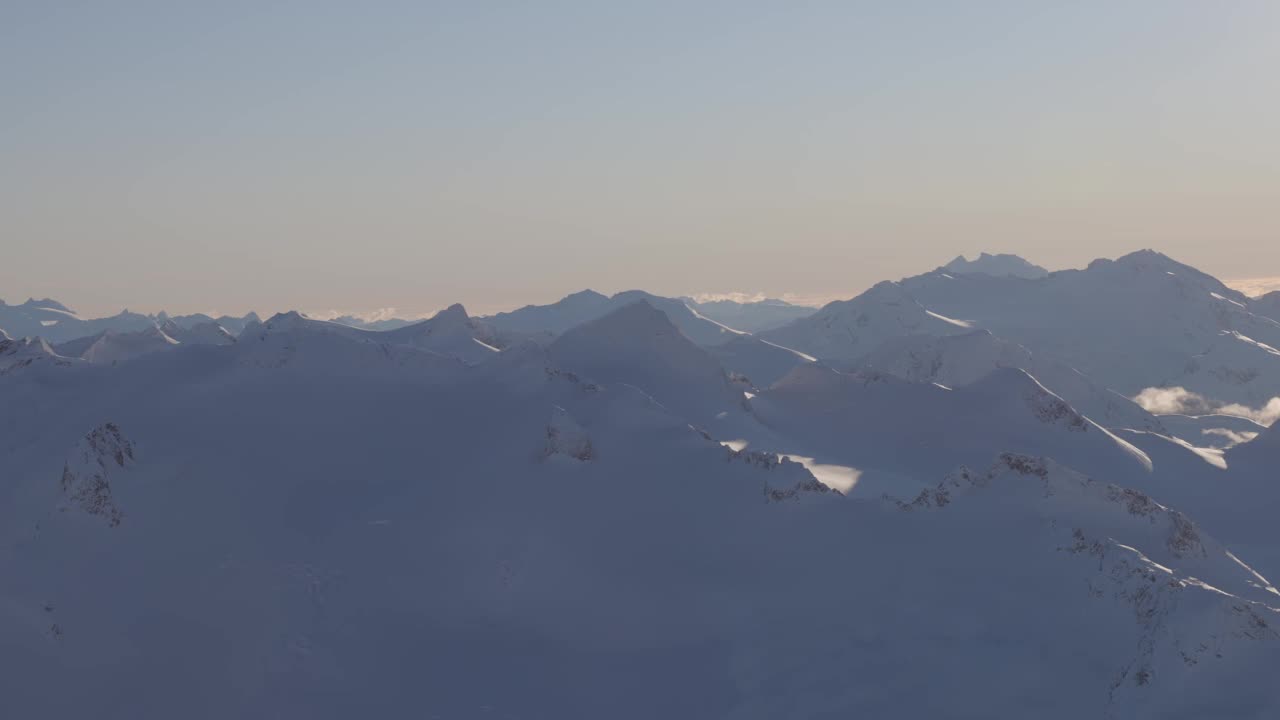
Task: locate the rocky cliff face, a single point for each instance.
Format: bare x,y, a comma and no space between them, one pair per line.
89,470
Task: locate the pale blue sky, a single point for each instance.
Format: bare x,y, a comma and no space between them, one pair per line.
353,156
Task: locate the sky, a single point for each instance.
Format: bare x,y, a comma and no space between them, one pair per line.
361,156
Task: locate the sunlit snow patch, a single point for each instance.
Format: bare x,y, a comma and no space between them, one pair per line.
1233,437
836,477
1214,456
1251,341
1233,302
958,323
797,353
720,325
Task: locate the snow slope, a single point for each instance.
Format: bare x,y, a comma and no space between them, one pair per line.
638,345
193,535
1268,305
1140,321
110,346
895,432
450,332
206,333
957,360
465,519
759,362
555,318
18,354
849,329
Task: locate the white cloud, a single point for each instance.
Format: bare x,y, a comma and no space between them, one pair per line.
1172,401
801,299
1181,401
1254,287
386,313
1233,438
1265,415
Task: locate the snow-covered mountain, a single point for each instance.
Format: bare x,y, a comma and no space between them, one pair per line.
588,305
206,333
894,432
957,360
341,534
56,323
555,318
1140,321
998,264
757,361
755,316
364,324
848,329
230,323
451,332
639,345
110,346
18,354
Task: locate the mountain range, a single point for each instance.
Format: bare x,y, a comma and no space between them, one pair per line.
987,490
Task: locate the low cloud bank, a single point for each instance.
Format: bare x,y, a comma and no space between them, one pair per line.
814,301
1254,287
1181,401
387,313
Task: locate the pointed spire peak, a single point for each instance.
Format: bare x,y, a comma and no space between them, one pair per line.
453,315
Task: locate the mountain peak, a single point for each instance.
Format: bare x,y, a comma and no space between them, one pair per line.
1001,264
1147,255
638,345
17,354
588,294
1149,262
888,291
455,312
46,304
294,321
636,317
286,319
